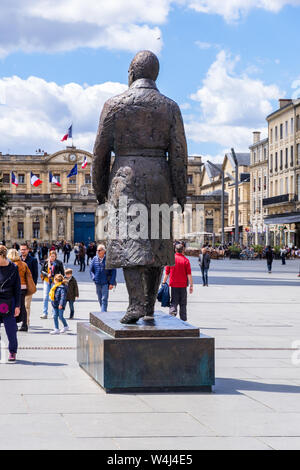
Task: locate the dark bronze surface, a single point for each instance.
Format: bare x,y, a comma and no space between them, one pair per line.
160,325
145,131
141,365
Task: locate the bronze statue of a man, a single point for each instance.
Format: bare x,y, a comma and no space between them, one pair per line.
145,131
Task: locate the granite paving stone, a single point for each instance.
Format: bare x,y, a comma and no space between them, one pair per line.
48,402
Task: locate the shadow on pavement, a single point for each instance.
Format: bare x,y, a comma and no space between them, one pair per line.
244,281
225,386
34,363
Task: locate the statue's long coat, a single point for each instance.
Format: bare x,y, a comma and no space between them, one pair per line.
145,131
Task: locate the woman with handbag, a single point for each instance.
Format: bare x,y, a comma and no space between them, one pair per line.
26,278
10,297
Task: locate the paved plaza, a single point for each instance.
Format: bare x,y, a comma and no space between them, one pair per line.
48,402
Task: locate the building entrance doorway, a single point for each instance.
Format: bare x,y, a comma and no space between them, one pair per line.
84,227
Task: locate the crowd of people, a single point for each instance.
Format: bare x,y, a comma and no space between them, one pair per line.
19,273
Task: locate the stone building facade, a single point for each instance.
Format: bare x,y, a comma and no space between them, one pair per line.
48,213
259,184
283,201
211,184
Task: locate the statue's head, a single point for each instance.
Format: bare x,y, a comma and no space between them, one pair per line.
145,64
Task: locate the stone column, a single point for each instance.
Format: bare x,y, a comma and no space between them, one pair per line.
27,225
54,230
69,225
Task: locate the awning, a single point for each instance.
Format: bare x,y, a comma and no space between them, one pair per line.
288,219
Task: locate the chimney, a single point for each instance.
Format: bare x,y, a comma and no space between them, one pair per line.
256,137
284,102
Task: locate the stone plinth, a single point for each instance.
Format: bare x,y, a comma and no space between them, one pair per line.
162,326
141,361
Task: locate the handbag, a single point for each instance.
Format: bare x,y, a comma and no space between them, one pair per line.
31,287
5,306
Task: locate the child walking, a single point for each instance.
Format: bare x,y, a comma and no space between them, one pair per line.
58,297
73,292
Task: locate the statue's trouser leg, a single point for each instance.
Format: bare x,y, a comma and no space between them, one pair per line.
142,285
137,299
152,282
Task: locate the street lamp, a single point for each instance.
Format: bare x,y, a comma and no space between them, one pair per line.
221,172
236,195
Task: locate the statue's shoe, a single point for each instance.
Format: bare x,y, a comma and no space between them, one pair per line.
132,316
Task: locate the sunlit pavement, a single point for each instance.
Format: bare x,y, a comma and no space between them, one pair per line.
48,402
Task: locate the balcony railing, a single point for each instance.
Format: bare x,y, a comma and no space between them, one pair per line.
276,200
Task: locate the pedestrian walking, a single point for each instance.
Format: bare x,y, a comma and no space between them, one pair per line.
26,281
10,298
51,267
283,253
81,256
204,263
44,252
91,252
76,253
104,279
72,292
32,264
180,277
67,248
58,297
269,257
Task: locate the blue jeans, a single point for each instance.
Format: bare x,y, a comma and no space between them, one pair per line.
47,287
59,314
204,276
71,305
102,292
11,329
269,264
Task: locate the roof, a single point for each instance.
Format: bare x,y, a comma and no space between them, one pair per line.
217,192
212,171
242,158
260,142
288,105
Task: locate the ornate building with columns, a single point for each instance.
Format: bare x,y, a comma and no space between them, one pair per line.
48,212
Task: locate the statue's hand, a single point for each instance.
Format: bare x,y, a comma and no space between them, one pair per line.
100,199
182,202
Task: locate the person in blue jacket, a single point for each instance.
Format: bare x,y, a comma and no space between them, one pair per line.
104,279
58,297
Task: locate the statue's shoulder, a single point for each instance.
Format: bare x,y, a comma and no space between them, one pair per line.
113,104
171,103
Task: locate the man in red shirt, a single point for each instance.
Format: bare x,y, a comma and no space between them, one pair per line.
180,275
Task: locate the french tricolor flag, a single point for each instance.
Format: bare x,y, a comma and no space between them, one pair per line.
53,180
84,164
69,134
35,181
14,179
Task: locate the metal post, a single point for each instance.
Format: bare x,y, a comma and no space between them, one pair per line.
223,209
236,196
221,172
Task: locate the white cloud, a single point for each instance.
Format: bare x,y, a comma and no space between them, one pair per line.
185,106
203,45
233,10
296,86
64,25
37,113
232,106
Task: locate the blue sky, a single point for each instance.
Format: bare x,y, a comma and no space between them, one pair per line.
226,64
